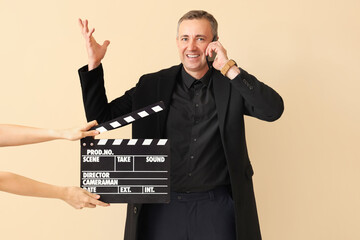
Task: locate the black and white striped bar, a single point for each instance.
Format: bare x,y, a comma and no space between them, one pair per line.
118,142
131,117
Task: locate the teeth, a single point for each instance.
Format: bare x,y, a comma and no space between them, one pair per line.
192,56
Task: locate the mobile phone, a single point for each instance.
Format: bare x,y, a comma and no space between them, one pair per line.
211,59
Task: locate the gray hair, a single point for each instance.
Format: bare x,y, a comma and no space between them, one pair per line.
200,14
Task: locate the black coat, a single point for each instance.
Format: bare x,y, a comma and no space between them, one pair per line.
244,95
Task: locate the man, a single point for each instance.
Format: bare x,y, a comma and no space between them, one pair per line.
15,135
211,175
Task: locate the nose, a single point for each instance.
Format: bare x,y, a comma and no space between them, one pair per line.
191,44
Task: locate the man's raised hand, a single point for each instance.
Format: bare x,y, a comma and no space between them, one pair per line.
96,52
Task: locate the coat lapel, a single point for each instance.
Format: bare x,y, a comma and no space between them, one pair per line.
222,96
165,89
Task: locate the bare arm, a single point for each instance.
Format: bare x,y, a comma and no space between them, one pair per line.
74,196
14,135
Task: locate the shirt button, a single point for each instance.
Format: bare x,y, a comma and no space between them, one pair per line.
192,156
179,197
196,105
195,139
189,174
135,210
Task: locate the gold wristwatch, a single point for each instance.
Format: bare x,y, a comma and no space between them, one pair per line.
227,66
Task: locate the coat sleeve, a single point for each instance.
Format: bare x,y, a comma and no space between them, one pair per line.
260,100
95,101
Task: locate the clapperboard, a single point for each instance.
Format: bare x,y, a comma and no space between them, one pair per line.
127,170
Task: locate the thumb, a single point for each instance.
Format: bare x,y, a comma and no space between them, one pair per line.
106,43
89,125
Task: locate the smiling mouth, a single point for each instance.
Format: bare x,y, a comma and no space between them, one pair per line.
192,55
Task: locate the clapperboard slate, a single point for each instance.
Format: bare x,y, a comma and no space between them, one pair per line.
127,170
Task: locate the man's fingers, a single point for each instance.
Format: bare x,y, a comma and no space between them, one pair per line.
80,23
86,24
210,53
210,48
106,43
213,46
91,32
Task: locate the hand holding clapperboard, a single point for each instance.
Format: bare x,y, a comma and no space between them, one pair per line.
127,170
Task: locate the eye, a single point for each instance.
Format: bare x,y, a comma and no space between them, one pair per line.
184,39
201,39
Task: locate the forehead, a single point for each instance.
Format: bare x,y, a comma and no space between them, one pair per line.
195,27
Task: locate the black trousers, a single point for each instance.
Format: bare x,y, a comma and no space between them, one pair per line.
190,216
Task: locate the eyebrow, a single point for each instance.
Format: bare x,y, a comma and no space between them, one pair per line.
199,35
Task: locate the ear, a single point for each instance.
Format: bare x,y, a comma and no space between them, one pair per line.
177,41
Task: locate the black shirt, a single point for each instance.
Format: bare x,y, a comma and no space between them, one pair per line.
197,157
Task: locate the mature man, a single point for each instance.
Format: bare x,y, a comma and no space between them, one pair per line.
211,175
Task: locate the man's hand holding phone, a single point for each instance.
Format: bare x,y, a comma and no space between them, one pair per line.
218,53
216,49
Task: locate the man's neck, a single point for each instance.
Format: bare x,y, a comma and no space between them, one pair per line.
197,74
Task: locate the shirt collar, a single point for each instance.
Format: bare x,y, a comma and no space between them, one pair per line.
189,80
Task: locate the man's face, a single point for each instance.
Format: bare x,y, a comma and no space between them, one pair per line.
193,38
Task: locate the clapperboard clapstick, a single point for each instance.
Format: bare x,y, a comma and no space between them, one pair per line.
127,170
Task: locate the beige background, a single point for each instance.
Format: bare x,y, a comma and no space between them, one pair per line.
306,164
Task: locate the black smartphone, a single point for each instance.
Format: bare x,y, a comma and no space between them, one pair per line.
211,59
